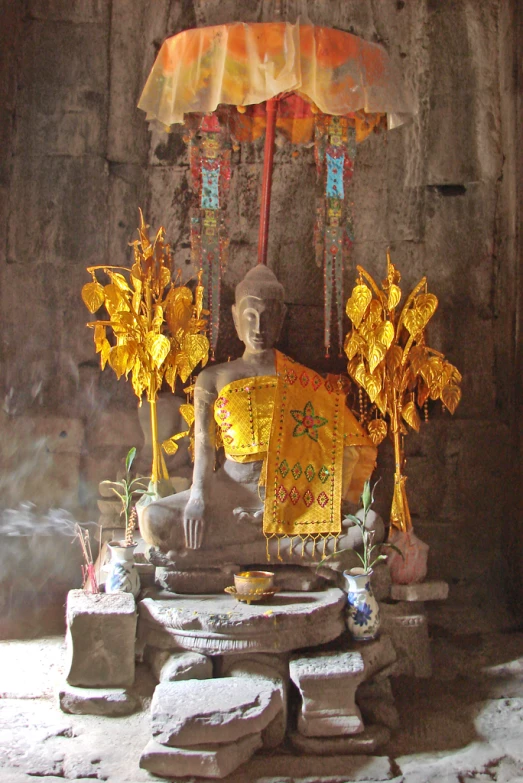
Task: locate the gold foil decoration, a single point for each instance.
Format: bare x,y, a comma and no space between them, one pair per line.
390,360
158,327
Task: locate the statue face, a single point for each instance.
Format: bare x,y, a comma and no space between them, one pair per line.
258,322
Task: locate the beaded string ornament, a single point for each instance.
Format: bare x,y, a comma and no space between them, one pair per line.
210,160
335,151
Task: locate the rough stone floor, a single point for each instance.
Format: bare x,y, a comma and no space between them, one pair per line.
464,725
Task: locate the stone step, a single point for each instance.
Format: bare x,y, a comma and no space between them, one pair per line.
204,760
197,712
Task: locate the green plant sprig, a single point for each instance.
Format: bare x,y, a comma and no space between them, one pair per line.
366,558
127,489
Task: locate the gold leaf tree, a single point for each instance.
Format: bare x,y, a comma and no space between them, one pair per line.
155,329
390,360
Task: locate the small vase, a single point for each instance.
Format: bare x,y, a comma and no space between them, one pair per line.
363,615
122,576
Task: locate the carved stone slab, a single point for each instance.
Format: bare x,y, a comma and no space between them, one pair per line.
218,624
198,712
208,761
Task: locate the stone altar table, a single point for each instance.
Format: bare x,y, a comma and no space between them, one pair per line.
217,625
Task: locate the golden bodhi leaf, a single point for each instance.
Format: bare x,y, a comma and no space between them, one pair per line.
451,396
394,358
354,344
170,445
99,337
410,414
121,359
375,313
93,296
413,321
385,333
426,305
357,304
187,411
196,346
375,354
377,430
394,296
104,353
431,370
157,346
115,301
372,386
381,402
119,281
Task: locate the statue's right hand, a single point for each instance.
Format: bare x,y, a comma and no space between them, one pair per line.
193,523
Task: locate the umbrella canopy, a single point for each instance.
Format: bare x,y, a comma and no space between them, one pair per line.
243,64
300,78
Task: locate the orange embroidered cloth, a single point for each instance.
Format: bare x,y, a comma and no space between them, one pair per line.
311,429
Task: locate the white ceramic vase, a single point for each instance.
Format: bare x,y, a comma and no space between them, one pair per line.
122,575
363,612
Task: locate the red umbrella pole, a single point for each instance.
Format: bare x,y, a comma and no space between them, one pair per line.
268,157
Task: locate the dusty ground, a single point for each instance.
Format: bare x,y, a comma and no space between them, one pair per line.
464,725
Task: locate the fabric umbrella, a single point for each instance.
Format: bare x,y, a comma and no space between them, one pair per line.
302,74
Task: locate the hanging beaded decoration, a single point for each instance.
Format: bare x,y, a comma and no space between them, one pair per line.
335,150
210,160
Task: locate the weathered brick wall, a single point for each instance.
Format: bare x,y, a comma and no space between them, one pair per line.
440,192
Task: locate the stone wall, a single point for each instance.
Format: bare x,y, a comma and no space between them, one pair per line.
440,191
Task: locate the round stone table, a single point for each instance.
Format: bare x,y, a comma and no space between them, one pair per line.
218,624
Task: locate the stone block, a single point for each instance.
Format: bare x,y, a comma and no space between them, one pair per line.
100,639
327,683
367,742
195,712
271,669
174,667
217,624
196,581
207,761
425,591
110,702
406,623
376,702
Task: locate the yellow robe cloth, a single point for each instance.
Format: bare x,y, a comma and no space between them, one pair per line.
315,450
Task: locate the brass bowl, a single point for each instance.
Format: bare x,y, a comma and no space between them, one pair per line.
252,582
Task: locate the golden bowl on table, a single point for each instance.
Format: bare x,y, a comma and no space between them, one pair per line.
252,582
253,586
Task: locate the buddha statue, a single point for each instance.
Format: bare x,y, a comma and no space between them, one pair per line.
293,454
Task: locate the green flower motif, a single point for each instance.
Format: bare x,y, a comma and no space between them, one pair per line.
308,423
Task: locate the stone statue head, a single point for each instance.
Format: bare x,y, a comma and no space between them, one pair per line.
259,309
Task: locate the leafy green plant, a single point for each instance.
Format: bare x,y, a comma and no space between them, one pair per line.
367,558
127,489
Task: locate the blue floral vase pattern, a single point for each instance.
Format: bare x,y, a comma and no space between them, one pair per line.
122,576
363,613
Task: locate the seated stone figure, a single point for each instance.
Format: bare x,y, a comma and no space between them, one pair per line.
293,451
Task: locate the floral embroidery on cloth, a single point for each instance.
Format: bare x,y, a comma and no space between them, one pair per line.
311,426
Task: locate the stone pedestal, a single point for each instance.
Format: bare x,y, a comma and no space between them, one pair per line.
101,631
218,624
328,681
406,623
